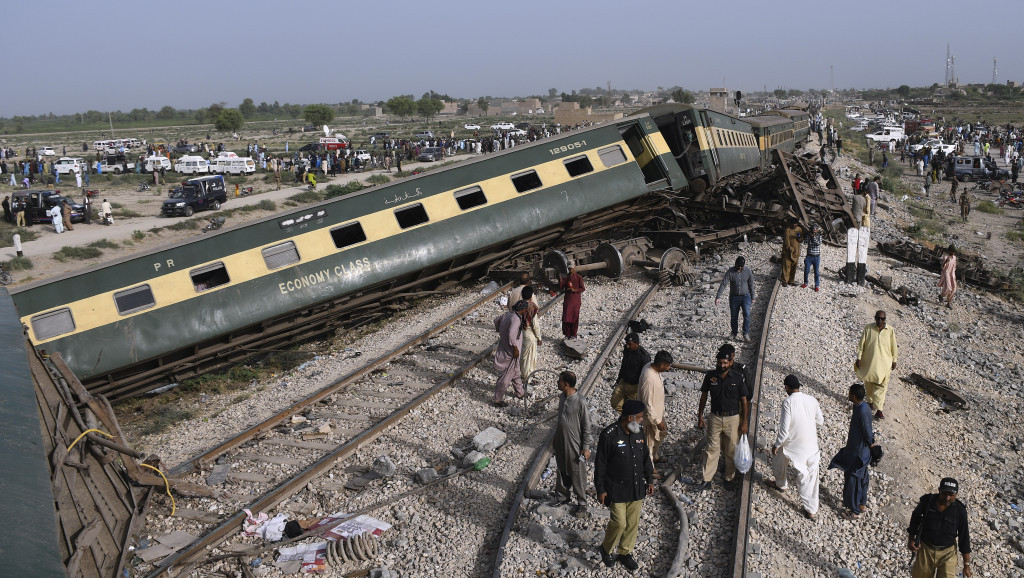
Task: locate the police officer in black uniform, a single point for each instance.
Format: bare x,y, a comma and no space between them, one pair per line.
623,477
730,406
937,526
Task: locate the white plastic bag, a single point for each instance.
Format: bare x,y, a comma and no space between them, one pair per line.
743,457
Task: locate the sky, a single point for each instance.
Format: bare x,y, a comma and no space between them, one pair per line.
188,54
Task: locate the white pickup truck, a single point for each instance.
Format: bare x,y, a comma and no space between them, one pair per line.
886,135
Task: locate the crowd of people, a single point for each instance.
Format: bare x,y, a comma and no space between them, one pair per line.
626,455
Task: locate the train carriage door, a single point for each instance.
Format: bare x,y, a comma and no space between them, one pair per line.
641,149
712,147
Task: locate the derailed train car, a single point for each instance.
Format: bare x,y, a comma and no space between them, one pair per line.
130,325
158,317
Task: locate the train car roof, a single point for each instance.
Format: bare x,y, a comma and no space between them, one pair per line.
276,216
768,121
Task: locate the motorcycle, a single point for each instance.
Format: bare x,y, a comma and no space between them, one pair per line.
214,224
5,277
143,186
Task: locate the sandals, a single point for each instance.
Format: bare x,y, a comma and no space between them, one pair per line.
771,484
863,509
810,516
848,515
500,404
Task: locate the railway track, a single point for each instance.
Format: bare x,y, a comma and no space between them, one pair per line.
356,409
668,560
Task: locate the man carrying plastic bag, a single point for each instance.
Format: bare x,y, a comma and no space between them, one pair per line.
730,408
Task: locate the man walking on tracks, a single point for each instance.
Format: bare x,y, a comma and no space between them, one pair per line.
797,444
572,444
652,393
876,358
854,457
730,406
634,358
741,295
939,522
623,477
573,286
509,326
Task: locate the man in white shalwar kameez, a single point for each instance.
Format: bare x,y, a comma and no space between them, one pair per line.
798,441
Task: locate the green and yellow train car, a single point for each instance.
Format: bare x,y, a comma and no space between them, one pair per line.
772,132
149,319
707,145
801,123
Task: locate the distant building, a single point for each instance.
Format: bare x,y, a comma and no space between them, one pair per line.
570,114
450,109
718,100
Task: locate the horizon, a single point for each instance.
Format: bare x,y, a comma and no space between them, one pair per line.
271,54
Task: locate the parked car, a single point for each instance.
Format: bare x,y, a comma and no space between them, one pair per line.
185,149
196,195
517,132
67,165
156,163
431,154
503,126
936,144
381,135
523,125
424,135
470,126
311,147
46,151
37,203
192,164
116,163
887,134
973,168
362,154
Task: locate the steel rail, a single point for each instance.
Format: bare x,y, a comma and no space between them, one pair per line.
269,423
742,542
544,451
293,485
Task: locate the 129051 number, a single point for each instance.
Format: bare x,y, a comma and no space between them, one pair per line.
568,147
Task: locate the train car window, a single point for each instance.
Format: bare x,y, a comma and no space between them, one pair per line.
471,197
411,216
53,323
134,299
526,181
209,276
347,235
281,255
612,155
578,166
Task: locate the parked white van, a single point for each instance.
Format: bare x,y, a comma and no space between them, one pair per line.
233,165
157,163
192,165
67,165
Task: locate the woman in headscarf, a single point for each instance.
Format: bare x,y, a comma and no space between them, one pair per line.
947,279
573,286
531,334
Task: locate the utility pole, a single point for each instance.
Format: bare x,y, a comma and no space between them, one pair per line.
832,78
109,118
952,70
995,71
